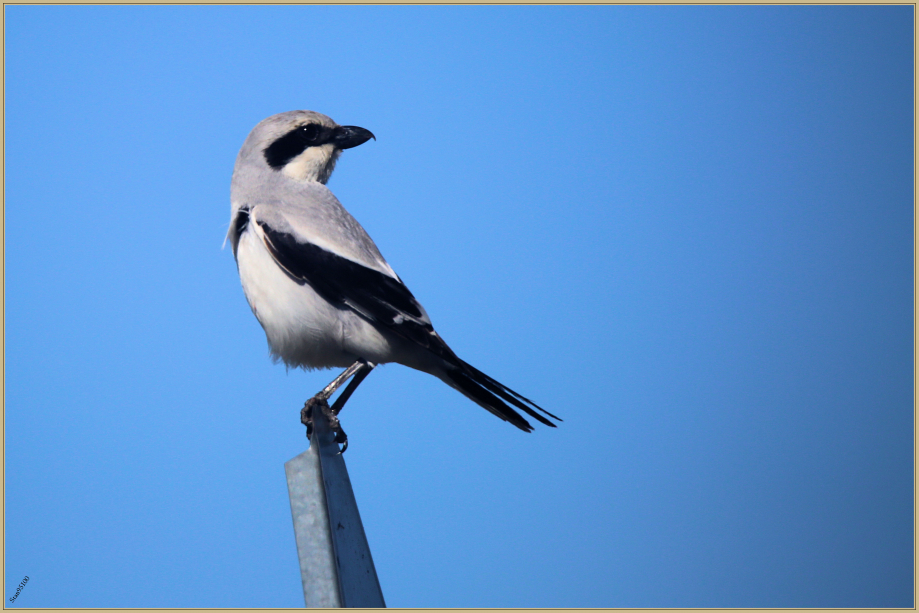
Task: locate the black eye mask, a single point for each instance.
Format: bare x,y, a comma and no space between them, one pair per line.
295,142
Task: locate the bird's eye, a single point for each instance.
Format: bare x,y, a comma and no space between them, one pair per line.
310,132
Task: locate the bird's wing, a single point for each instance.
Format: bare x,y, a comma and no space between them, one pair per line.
312,214
379,297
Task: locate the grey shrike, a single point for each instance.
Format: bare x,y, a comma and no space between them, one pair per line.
318,284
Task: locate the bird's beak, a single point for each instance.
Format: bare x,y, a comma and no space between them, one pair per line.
345,137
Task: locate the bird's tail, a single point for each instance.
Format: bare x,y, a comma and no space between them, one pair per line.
493,396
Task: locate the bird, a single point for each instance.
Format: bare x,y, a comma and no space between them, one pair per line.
318,284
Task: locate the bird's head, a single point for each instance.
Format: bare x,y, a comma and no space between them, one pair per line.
303,145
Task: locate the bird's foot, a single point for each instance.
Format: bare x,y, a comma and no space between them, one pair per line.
306,415
306,418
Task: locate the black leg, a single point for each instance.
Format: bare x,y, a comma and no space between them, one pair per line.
359,370
343,398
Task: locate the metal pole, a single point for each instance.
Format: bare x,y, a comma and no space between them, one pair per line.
335,562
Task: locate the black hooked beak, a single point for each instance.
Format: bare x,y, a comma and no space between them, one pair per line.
345,137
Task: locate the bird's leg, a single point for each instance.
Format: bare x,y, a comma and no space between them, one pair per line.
337,382
359,370
359,376
340,436
322,398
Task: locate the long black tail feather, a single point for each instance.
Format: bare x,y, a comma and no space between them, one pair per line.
494,396
503,391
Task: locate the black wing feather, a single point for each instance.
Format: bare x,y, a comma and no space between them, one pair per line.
340,281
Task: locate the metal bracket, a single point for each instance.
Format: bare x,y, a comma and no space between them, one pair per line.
335,562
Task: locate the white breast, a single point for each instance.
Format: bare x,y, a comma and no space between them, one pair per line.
302,328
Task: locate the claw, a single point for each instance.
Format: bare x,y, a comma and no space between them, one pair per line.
306,418
341,438
306,413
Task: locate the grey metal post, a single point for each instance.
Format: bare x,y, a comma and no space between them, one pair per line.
335,562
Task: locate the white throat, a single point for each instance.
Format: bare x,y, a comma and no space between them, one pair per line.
314,164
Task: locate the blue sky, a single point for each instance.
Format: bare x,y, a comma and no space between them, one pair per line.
688,231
